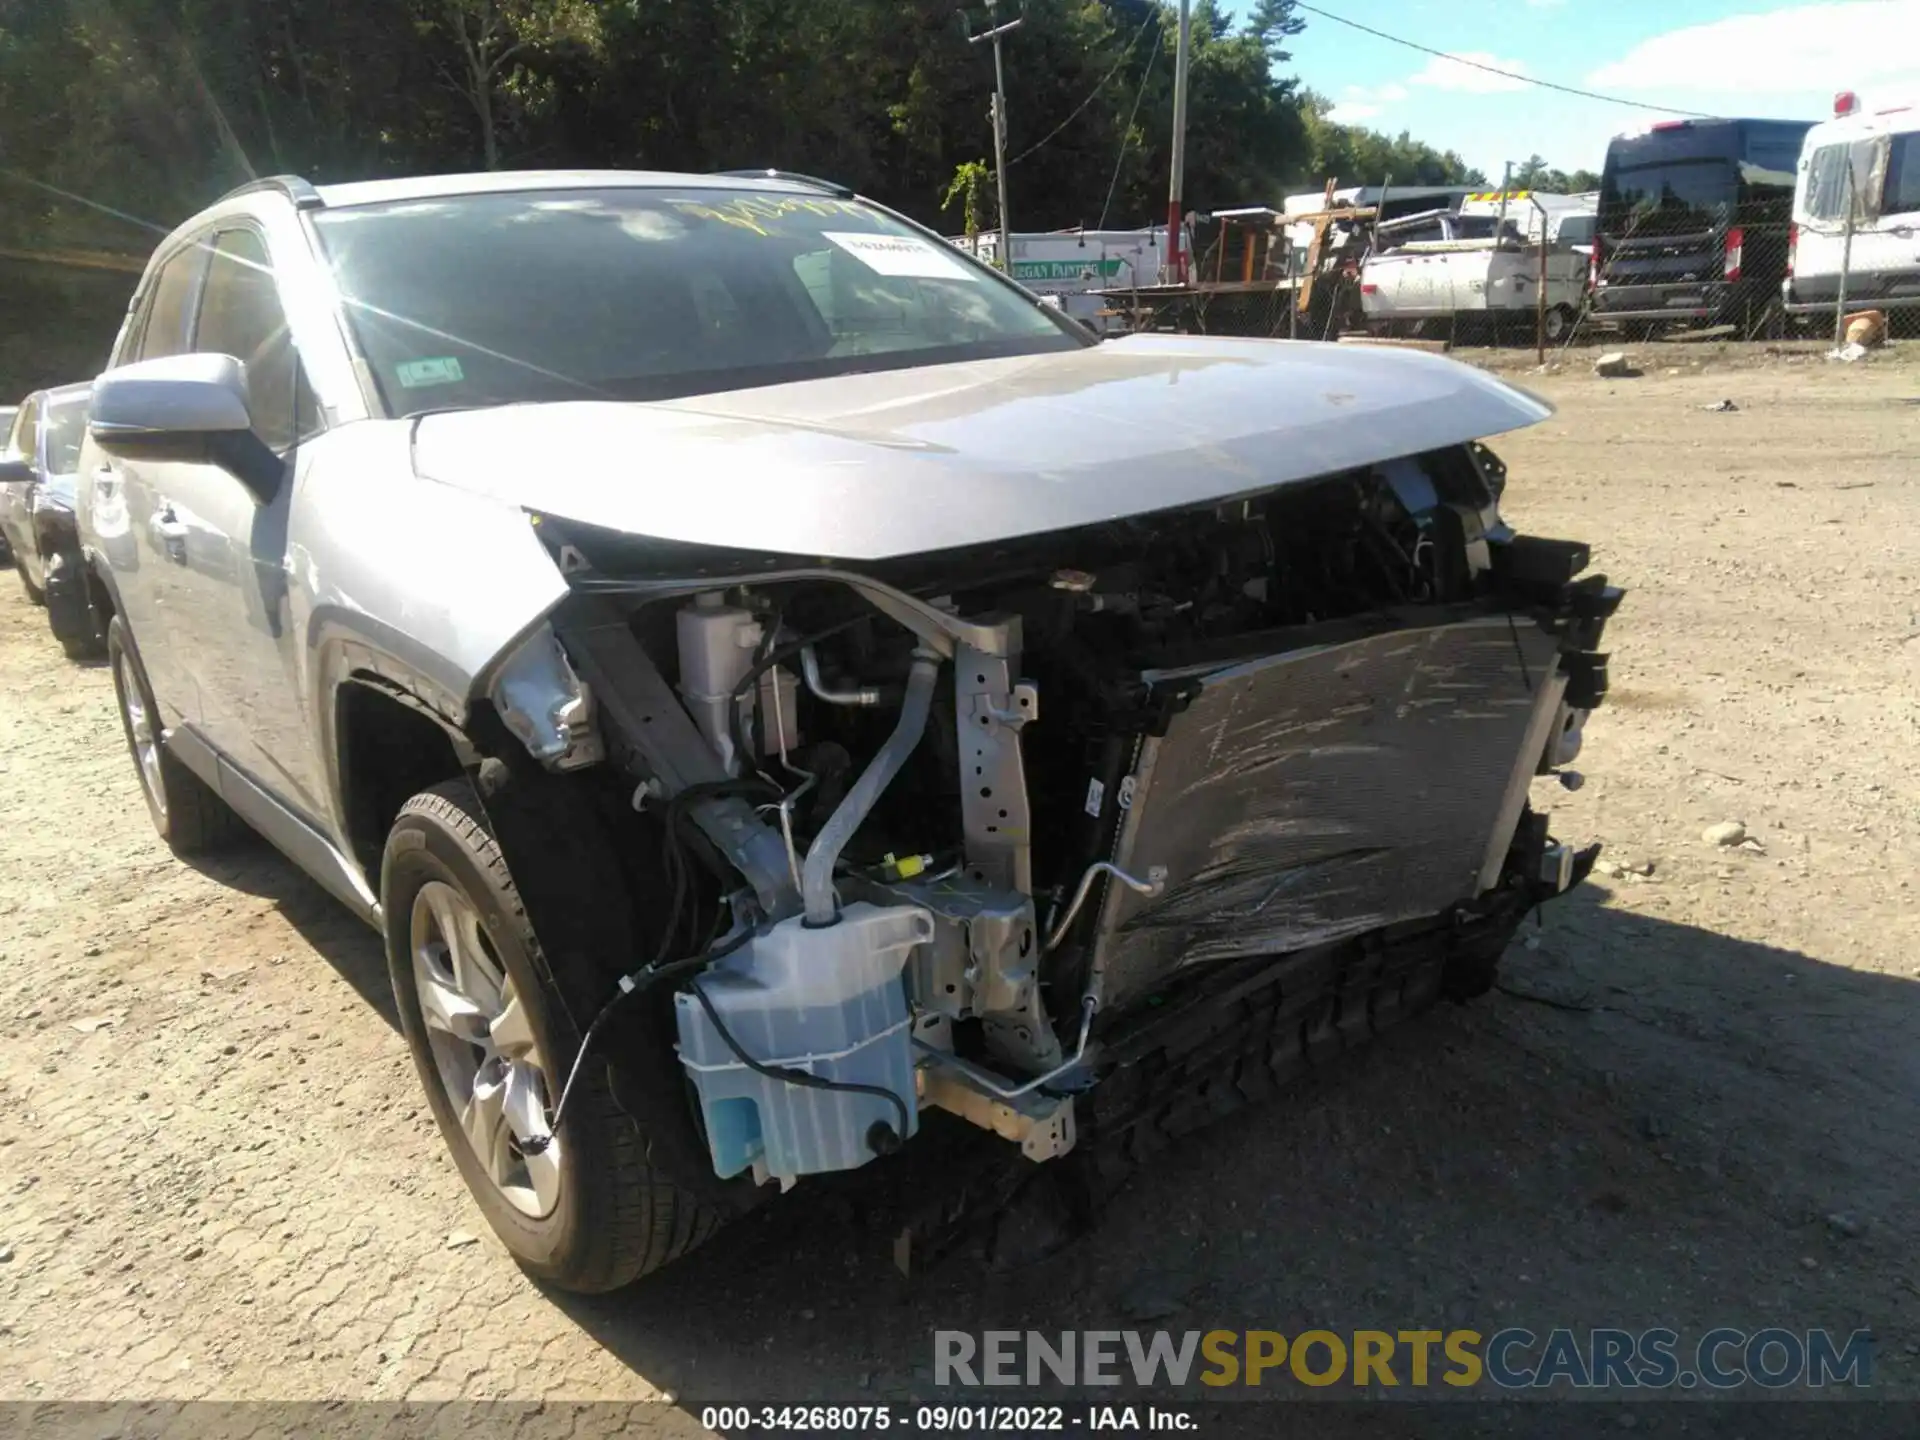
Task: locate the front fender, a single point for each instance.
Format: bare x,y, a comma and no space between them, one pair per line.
420,583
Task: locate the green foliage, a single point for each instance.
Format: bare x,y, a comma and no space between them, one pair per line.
122,117
1367,157
1536,174
969,182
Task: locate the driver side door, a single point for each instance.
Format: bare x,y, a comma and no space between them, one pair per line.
232,589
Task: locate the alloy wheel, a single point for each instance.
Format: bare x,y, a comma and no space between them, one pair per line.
141,730
484,1048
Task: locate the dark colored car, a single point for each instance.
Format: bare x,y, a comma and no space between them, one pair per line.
1694,223
37,478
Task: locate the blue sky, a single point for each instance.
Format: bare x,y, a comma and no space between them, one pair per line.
1725,57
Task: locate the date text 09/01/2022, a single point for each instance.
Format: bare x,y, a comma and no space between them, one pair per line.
936,1419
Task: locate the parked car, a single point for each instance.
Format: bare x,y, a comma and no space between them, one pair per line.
37,491
1694,218
1882,257
7,415
1455,270
767,676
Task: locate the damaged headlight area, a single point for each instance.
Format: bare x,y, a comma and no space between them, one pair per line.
976,829
544,704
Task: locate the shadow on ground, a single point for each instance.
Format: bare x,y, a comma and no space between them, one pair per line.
1611,1140
353,949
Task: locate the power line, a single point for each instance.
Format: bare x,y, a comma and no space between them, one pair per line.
1125,55
1126,136
1491,69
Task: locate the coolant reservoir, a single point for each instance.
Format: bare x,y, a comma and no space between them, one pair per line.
827,1001
716,643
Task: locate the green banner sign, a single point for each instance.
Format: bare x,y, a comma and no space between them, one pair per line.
1065,269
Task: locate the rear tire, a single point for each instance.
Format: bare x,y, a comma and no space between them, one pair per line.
189,816
1559,325
605,1212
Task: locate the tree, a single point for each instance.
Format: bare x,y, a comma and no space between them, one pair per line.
1536,174
1356,156
494,41
1273,22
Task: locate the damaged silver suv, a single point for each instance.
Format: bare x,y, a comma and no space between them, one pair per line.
768,678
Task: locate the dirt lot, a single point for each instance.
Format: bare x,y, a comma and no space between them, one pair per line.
1695,1102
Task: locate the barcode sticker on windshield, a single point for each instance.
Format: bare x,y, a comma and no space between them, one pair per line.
906,255
440,370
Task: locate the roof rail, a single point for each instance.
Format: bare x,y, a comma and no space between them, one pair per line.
832,187
300,191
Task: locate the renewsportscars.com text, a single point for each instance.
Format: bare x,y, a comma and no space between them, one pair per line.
1773,1358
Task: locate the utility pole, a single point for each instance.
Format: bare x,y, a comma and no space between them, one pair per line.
993,32
1176,209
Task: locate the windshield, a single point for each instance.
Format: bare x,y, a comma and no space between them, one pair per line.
1576,230
66,427
651,294
1671,199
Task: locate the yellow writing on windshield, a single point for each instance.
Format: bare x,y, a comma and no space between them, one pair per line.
756,212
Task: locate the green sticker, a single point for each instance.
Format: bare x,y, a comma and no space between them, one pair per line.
439,370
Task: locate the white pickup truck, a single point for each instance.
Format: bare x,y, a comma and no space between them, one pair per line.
1441,268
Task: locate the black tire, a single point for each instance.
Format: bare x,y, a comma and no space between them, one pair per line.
187,813
618,1215
1559,324
35,595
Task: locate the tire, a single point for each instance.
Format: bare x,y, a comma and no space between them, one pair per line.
604,1212
1559,325
186,812
35,595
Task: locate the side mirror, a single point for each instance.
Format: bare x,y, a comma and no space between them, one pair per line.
177,396
195,404
15,470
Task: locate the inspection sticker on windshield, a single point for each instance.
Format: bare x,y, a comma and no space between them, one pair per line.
899,255
439,370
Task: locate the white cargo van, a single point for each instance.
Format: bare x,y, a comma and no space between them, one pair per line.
1070,264
1440,267
1882,150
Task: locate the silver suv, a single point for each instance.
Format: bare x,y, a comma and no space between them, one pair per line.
768,678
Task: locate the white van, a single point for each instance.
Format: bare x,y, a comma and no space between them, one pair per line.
1882,151
1442,267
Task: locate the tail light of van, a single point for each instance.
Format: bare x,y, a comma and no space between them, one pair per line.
1793,248
1594,267
1736,243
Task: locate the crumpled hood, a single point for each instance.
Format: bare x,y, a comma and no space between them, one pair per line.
870,467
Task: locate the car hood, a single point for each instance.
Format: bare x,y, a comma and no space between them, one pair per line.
900,462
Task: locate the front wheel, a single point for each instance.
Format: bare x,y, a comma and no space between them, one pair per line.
586,1208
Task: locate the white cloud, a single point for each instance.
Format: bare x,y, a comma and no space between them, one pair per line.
1859,45
1352,112
1450,74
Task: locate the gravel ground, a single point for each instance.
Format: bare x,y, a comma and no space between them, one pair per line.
1695,1101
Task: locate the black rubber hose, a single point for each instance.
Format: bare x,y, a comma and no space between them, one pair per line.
803,1078
630,986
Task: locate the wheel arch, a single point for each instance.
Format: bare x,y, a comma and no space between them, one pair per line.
387,745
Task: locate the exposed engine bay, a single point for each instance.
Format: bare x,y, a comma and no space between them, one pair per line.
940,831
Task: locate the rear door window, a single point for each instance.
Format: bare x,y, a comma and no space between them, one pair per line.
1827,183
171,306
1902,195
